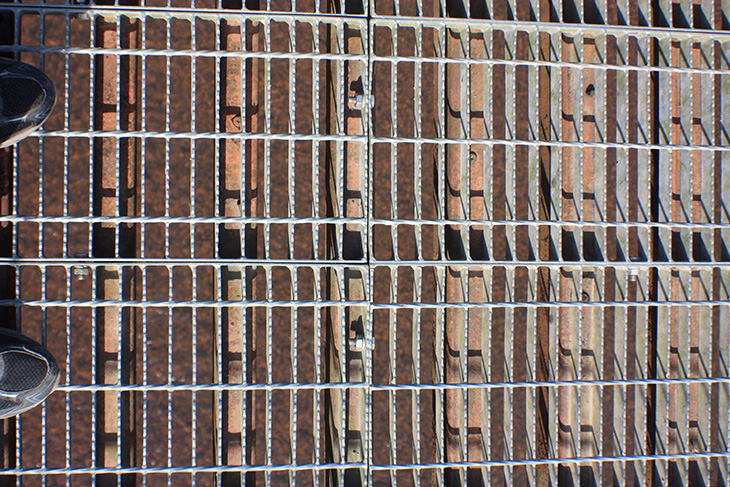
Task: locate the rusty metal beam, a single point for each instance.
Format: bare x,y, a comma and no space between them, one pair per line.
477,320
334,336
456,238
569,320
116,168
233,438
354,241
239,168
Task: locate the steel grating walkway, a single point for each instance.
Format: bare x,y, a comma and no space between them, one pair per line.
416,244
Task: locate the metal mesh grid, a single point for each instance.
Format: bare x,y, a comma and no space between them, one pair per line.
402,248
544,317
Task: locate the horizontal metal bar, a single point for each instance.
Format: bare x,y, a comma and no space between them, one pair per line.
546,143
374,467
180,470
551,384
171,53
552,461
577,65
455,23
121,134
318,56
136,134
340,19
180,304
565,224
216,263
550,304
184,220
551,264
172,262
345,303
358,264
324,386
387,387
135,12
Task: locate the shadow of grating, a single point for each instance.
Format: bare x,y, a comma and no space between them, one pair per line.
387,243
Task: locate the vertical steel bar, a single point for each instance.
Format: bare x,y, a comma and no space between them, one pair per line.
492,121
195,295
316,212
440,189
294,273
418,162
395,271
512,282
170,290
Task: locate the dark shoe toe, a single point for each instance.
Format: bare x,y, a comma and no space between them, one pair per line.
28,373
27,97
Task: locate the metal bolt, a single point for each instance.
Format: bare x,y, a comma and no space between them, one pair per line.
357,101
236,121
361,344
634,273
81,272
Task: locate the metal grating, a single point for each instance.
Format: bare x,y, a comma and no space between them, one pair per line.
459,243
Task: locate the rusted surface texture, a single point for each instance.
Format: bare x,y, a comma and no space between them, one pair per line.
233,166
361,248
356,319
455,325
115,188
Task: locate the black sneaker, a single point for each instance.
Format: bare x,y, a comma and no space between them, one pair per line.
28,373
26,99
